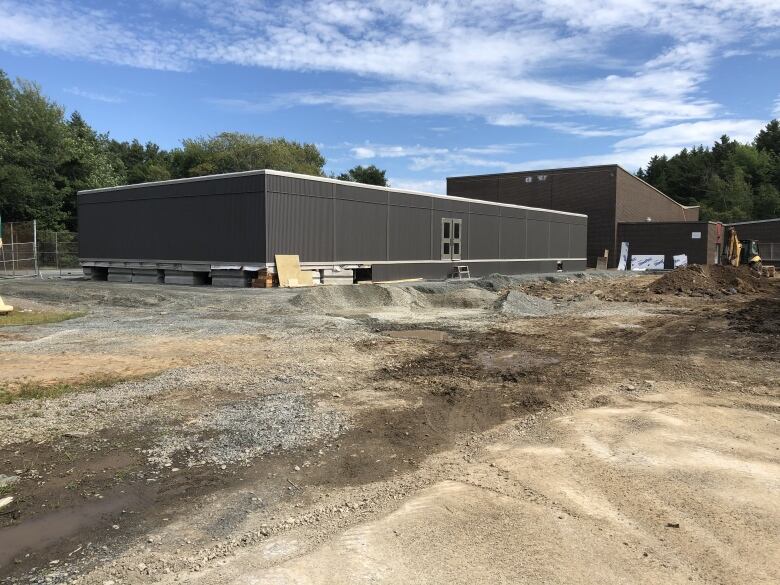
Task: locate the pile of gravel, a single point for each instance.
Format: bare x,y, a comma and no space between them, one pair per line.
239,431
364,296
495,282
463,298
518,303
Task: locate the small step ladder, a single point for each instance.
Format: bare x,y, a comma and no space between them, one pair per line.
462,271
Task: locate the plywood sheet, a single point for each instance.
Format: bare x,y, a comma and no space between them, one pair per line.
288,269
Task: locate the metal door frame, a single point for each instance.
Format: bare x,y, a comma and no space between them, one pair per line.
446,239
451,245
455,244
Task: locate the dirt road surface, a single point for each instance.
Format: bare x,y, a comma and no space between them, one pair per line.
562,429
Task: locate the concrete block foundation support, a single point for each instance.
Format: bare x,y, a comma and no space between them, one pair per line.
148,275
117,274
232,278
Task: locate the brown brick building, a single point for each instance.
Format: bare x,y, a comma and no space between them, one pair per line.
608,194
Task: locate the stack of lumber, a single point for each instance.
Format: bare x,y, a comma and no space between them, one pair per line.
265,279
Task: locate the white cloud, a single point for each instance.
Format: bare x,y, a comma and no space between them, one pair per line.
776,111
73,31
635,152
475,58
90,95
631,160
394,151
441,159
631,153
693,134
510,119
243,105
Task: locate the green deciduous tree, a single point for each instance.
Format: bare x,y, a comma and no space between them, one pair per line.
370,175
45,158
142,162
232,151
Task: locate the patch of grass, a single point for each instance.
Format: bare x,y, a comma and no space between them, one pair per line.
16,391
37,317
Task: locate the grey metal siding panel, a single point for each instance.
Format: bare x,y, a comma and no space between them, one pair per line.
350,193
410,200
485,209
225,227
228,186
361,231
537,242
454,206
299,224
559,240
578,241
299,186
251,218
410,233
484,236
513,237
523,213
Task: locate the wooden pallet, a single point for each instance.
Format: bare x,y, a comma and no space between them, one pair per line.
768,271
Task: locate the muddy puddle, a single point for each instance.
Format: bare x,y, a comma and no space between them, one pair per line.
420,334
46,530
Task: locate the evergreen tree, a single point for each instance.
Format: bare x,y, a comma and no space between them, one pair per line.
730,181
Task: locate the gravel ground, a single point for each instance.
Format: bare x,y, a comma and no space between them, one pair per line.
267,422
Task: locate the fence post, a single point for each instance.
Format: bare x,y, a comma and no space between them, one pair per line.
35,248
5,267
13,252
57,251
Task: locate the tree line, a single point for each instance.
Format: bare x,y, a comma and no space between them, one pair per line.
46,157
731,181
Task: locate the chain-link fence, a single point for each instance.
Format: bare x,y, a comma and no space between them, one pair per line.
18,252
58,252
26,251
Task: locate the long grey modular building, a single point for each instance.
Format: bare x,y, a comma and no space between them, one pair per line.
226,227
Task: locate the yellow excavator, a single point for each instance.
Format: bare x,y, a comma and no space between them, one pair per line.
741,252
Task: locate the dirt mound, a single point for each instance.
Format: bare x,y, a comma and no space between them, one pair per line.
761,316
374,296
518,303
365,296
495,282
711,280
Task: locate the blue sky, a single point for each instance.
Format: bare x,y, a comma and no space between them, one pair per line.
424,89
